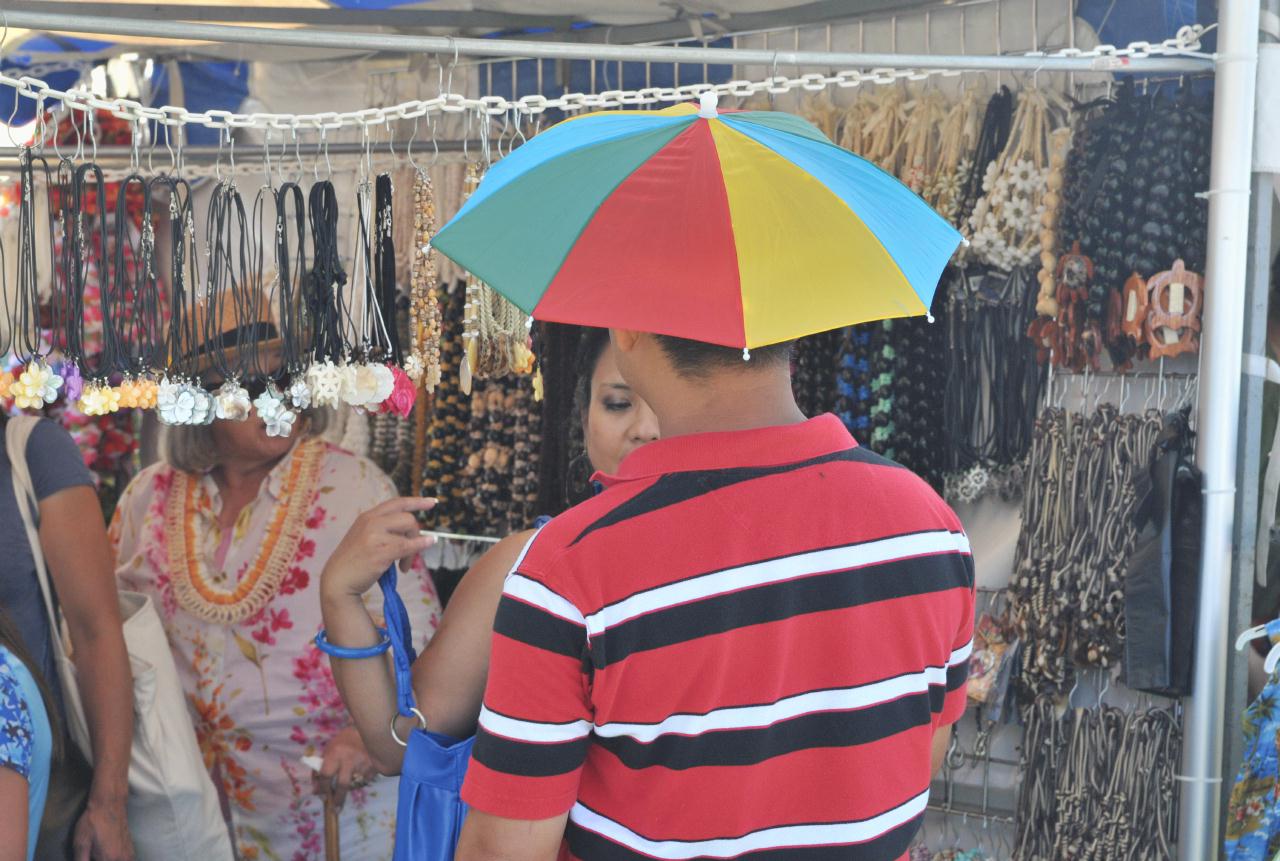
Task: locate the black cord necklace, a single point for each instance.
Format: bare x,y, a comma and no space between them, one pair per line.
135,319
63,256
290,276
384,268
367,331
178,356
327,275
997,123
227,305
25,317
90,254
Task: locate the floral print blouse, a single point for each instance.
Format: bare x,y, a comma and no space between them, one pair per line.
1253,815
26,741
261,695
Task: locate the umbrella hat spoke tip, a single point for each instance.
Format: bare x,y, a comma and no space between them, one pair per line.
707,104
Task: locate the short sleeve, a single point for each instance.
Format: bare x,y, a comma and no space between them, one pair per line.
956,699
54,460
125,529
536,722
17,732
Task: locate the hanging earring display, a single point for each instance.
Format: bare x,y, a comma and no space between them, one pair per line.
495,332
423,362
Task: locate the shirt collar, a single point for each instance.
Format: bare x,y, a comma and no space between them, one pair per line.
770,446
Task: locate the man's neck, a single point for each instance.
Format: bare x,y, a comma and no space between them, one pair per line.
729,402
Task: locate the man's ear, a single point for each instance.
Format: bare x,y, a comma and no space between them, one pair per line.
624,340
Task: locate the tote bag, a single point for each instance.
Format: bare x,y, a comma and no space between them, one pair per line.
430,811
173,807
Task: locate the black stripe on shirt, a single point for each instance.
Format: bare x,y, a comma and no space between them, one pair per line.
529,759
677,487
957,676
890,846
772,602
536,627
729,747
797,553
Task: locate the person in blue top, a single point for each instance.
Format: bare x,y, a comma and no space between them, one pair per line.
28,746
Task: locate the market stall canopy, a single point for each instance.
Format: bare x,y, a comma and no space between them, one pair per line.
560,19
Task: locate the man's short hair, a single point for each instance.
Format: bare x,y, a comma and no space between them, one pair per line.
697,358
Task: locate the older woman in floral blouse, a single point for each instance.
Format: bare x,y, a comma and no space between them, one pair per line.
229,536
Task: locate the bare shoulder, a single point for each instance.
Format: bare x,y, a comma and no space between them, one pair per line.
501,558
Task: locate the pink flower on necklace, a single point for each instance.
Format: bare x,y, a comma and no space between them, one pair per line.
403,395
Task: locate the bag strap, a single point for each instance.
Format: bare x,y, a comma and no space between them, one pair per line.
17,433
401,634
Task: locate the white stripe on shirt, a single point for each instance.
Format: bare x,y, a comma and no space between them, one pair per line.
532,731
775,571
780,837
532,592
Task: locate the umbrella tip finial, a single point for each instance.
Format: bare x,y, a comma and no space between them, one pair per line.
929,317
707,105
746,355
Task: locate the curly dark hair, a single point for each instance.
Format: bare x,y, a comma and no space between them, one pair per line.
591,346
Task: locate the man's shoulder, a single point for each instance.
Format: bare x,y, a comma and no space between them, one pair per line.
560,540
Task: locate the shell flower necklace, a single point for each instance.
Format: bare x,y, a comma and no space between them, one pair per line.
194,587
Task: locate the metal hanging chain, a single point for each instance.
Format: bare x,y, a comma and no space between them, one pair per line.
1185,44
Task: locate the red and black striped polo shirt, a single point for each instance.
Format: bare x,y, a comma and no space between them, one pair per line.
742,648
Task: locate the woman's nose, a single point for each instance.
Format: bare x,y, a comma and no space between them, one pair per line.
645,427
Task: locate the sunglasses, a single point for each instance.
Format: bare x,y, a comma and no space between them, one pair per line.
255,386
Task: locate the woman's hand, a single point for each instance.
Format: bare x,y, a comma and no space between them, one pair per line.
102,834
346,766
378,538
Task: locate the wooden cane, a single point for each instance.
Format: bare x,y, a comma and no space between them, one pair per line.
332,844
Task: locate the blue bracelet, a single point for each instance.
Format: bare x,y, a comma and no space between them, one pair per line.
323,644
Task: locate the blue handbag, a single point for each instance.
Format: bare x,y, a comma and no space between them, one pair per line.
430,811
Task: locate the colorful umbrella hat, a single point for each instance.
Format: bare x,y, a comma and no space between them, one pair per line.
737,228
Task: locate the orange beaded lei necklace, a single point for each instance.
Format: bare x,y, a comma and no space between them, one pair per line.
192,587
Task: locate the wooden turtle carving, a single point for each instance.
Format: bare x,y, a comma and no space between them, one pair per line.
1136,304
1173,322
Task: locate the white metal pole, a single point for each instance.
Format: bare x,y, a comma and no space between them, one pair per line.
445,45
1225,277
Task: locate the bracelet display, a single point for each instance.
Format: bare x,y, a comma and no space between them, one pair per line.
323,644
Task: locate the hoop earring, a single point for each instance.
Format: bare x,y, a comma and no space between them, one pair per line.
577,484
